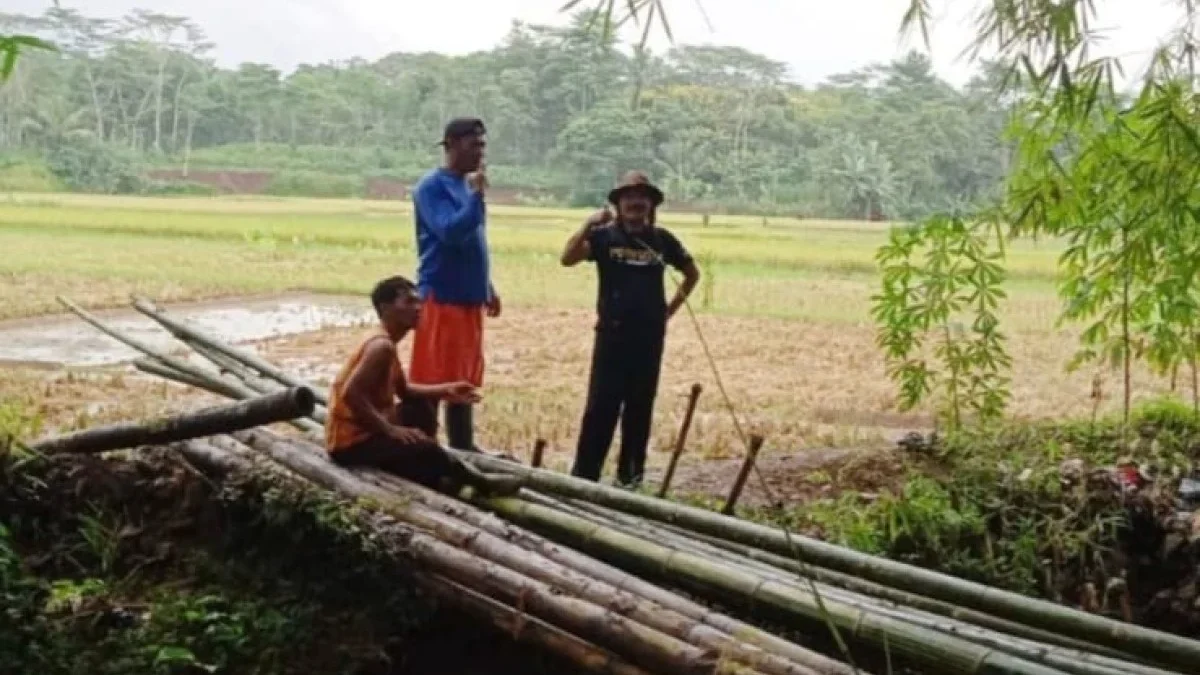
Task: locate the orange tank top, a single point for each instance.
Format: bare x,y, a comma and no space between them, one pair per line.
341,428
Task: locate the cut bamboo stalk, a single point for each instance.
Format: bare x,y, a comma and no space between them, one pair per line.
228,457
615,577
934,650
189,333
168,367
721,547
217,386
752,449
162,357
267,409
531,630
1078,662
539,447
511,467
1157,647
784,569
207,456
499,549
641,644
235,369
680,440
1075,657
596,569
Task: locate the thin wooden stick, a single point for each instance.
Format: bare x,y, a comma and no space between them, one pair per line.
539,447
756,442
680,440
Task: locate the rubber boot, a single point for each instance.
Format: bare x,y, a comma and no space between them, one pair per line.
494,484
460,430
460,426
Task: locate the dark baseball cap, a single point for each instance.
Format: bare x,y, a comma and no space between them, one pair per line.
461,127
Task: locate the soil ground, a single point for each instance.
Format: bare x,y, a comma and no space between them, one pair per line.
817,392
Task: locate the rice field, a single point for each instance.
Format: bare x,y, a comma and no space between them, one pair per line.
783,305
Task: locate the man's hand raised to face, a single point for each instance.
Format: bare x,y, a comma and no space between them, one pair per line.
477,180
600,218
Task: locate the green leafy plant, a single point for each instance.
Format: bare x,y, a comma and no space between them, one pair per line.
939,300
10,49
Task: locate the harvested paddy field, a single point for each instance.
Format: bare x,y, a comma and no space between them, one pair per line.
784,308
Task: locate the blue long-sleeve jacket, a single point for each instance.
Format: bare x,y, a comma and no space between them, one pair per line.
451,240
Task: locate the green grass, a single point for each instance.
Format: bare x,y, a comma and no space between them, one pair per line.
102,248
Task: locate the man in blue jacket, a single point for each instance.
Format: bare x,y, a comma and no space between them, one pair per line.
454,274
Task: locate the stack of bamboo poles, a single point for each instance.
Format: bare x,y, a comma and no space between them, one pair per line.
596,574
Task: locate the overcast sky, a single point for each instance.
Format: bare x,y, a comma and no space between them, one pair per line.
816,38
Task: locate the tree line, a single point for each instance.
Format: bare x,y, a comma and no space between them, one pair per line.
568,109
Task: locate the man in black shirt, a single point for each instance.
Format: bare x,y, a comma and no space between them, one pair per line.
630,255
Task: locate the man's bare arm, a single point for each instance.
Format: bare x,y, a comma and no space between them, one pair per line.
691,275
370,375
578,248
437,391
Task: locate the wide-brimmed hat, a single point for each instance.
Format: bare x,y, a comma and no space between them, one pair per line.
636,180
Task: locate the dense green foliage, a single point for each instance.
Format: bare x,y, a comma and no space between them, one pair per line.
1031,507
109,566
568,110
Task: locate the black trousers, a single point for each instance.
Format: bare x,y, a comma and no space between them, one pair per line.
626,363
425,463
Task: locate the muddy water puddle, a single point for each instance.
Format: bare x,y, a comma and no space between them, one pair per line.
68,341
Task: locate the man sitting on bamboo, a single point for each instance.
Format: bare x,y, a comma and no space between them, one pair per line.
366,427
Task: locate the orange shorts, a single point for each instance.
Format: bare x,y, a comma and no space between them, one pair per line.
448,344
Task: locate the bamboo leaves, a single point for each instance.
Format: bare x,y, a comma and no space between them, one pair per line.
10,49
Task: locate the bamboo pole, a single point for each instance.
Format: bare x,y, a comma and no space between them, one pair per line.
1156,647
531,630
1073,657
229,456
789,570
178,365
168,367
226,365
933,650
742,553
615,577
191,334
632,639
510,469
218,386
499,549
680,440
215,385
267,409
756,442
